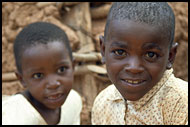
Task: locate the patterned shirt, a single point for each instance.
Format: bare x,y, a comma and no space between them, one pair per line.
165,104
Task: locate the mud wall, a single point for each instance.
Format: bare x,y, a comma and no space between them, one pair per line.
15,15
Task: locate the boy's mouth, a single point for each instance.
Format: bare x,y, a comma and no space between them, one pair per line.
55,96
133,82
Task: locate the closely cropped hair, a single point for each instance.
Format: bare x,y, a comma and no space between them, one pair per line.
152,13
38,33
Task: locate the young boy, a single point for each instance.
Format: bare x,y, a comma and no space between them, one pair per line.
139,51
45,67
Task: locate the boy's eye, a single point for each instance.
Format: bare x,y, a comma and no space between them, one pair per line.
61,69
120,52
151,55
37,75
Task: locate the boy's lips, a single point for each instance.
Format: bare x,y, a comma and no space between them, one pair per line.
54,96
133,82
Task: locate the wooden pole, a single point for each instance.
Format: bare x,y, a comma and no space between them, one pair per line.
79,19
90,57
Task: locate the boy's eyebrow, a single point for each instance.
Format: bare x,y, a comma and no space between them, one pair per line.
151,46
63,62
119,44
30,70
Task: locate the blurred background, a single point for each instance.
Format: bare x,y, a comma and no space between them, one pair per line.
83,23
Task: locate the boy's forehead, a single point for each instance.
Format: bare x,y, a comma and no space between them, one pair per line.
142,31
48,45
53,49
128,27
132,25
40,48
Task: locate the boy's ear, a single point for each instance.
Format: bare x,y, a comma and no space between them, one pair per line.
20,78
172,55
102,48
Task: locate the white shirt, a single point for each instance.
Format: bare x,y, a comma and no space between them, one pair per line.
16,110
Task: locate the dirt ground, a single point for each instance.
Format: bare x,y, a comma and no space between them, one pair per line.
16,15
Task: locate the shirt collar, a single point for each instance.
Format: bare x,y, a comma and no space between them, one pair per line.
116,96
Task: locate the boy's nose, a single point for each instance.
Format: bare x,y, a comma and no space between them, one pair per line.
52,82
134,65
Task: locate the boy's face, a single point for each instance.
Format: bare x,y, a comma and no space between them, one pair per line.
136,57
47,72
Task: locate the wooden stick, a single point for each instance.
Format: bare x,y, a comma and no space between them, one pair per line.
81,13
100,12
44,4
87,57
9,77
60,4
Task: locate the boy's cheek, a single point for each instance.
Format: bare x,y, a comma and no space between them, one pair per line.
113,71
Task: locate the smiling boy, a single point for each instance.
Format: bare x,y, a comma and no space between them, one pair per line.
45,68
139,51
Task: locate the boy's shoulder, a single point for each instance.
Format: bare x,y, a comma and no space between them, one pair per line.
178,87
71,109
175,100
107,96
7,99
108,107
106,93
74,94
73,98
17,110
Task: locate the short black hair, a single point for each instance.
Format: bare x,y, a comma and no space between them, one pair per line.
152,13
38,33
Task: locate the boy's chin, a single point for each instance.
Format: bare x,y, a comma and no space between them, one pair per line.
132,98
